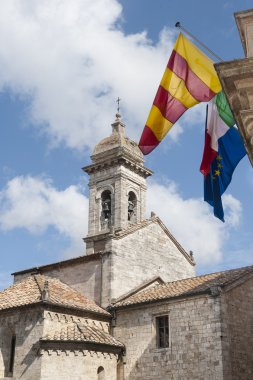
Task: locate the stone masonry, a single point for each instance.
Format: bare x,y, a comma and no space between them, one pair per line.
146,253
237,331
195,350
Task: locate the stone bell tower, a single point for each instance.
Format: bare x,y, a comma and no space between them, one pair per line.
117,187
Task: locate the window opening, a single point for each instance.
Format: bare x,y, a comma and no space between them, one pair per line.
12,353
162,331
106,213
132,206
101,373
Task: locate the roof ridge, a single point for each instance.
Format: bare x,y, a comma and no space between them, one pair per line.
58,263
189,286
36,281
141,287
38,289
207,274
88,333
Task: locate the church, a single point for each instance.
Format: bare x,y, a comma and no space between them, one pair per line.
132,307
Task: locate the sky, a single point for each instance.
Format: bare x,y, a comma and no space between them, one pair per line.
63,64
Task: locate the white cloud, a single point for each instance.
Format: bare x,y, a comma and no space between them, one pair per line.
34,204
192,222
234,209
72,60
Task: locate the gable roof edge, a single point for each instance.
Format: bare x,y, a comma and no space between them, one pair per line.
138,288
146,222
189,258
237,281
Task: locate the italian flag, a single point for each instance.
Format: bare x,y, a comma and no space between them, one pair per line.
222,152
219,121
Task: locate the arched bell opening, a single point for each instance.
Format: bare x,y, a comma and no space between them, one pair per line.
132,203
106,209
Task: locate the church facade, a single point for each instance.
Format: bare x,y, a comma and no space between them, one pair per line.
132,307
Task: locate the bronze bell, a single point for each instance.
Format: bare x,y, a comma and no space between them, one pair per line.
106,204
130,206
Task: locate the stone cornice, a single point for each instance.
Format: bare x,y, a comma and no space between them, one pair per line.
121,160
237,81
244,21
59,264
49,306
98,237
86,347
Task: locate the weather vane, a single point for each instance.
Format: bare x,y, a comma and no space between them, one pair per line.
118,100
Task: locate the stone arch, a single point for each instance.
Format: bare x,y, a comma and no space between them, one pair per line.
101,373
102,189
104,222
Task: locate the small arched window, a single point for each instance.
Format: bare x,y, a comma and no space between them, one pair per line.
106,212
132,201
101,373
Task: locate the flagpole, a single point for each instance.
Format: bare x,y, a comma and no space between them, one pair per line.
178,25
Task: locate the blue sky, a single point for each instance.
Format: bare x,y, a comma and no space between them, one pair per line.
62,67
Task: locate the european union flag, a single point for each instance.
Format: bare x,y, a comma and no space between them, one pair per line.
230,151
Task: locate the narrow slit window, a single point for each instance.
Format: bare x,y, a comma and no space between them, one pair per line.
12,353
162,331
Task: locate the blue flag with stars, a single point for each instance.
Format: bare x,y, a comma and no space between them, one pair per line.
230,151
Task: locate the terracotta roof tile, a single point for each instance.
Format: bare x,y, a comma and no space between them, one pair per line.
39,288
186,287
82,333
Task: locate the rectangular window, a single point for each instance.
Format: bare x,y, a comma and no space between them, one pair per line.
12,353
162,331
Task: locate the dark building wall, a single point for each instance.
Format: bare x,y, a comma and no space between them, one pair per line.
237,332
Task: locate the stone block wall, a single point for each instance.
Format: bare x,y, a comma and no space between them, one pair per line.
237,331
143,254
83,276
77,365
74,363
27,326
119,180
35,363
195,343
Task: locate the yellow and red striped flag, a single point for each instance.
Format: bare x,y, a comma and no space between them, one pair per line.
189,78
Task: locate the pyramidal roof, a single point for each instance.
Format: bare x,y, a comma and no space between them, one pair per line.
81,332
40,289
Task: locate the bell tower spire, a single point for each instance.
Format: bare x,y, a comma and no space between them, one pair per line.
117,186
